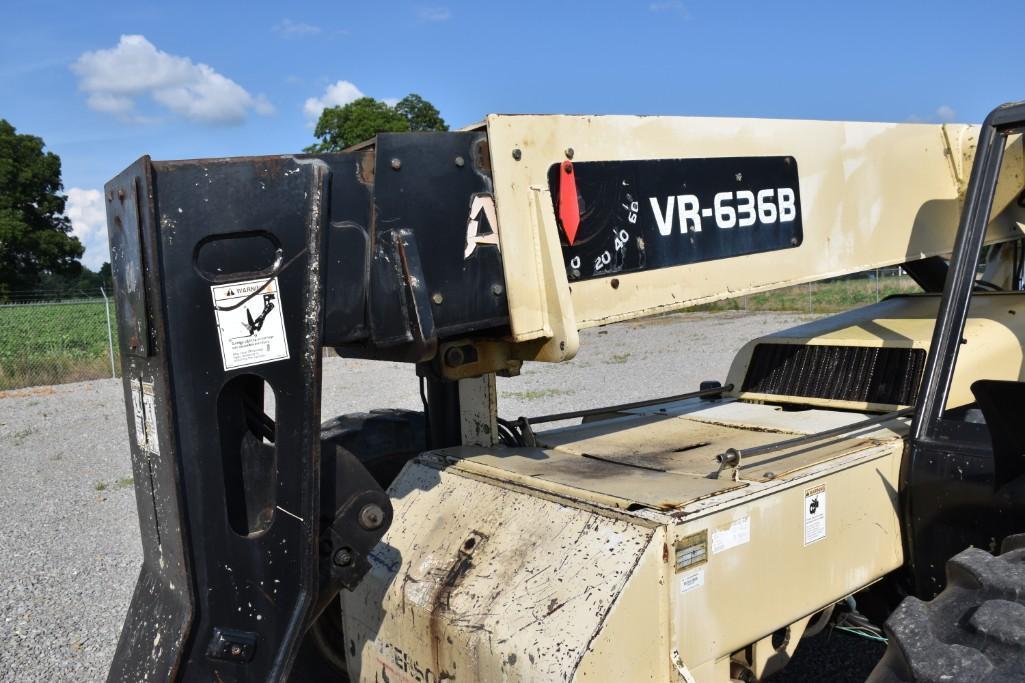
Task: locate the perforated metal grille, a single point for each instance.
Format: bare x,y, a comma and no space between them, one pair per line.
841,373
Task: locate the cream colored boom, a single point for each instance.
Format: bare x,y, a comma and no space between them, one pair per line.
872,195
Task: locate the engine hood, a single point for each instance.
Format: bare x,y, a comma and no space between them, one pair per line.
873,358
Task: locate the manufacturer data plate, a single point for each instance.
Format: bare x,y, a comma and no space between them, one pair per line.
647,214
250,326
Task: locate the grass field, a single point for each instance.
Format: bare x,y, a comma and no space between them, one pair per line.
53,344
67,342
819,297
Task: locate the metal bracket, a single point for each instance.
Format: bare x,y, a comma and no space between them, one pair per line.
729,460
363,512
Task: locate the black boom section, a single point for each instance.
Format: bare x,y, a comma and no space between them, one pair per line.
231,275
227,496
422,197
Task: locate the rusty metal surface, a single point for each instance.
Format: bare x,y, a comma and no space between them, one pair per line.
667,460
129,204
604,480
475,582
476,572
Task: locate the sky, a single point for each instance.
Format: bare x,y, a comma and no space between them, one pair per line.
105,83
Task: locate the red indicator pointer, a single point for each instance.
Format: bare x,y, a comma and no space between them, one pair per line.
569,208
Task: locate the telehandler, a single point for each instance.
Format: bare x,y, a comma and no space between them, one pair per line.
827,479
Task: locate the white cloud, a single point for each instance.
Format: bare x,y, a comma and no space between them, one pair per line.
434,14
945,113
295,29
89,224
114,78
110,103
337,94
391,101
669,7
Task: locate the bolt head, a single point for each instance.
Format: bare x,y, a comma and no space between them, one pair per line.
454,357
396,163
342,557
517,154
437,298
371,516
569,152
460,162
497,289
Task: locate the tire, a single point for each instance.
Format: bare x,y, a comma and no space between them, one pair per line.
974,630
383,441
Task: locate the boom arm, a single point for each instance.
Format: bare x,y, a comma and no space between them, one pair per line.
869,194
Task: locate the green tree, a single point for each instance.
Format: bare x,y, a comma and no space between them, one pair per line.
84,283
421,114
359,120
362,119
35,235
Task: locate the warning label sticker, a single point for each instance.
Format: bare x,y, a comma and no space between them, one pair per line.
692,580
150,418
737,533
249,323
144,413
814,514
137,411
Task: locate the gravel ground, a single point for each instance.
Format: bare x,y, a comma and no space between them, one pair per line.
69,540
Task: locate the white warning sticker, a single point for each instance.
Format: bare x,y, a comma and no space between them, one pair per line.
737,533
815,514
149,410
137,411
692,580
250,325
144,414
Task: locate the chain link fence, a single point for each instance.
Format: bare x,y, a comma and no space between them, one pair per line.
49,337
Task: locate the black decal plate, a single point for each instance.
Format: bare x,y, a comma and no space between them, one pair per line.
648,214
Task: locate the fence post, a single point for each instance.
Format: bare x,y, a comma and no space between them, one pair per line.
110,334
